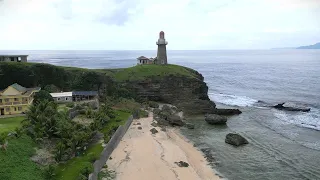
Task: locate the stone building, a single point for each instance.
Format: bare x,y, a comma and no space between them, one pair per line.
14,58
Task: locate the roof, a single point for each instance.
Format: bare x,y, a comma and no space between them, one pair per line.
85,93
62,94
12,55
143,58
19,88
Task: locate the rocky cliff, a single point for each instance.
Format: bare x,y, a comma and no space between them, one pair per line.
172,84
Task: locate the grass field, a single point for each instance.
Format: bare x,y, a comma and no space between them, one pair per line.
15,162
143,71
9,124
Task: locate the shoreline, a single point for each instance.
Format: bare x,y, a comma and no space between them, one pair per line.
143,155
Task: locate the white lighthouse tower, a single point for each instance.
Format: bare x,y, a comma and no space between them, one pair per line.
162,50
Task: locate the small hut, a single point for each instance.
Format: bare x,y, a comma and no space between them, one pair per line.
145,60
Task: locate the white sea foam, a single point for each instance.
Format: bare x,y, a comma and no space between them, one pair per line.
305,119
242,101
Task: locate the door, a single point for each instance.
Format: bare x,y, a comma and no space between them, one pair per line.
1,112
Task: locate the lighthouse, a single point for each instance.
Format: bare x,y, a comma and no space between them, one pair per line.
162,50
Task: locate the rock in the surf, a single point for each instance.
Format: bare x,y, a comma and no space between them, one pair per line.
227,112
291,107
235,139
215,119
190,126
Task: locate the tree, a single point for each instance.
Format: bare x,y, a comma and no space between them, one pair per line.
41,96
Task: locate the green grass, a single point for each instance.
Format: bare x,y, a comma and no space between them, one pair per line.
15,162
120,119
142,71
10,124
72,169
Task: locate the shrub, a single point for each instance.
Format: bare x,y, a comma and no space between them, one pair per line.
93,157
86,168
70,105
156,111
153,104
49,172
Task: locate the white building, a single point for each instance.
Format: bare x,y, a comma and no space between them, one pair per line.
62,97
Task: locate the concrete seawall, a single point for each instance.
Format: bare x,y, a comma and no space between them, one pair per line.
108,149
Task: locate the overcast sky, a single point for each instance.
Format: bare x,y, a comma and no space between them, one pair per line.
135,24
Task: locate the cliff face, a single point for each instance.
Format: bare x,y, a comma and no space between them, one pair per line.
190,93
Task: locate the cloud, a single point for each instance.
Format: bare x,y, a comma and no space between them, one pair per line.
134,24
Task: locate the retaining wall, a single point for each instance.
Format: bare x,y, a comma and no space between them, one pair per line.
108,149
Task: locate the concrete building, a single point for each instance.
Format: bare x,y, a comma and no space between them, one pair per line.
14,58
145,60
73,96
16,99
162,50
62,97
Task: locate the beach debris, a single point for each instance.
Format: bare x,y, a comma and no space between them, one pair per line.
190,126
110,158
153,131
163,129
215,119
138,123
182,164
139,128
235,139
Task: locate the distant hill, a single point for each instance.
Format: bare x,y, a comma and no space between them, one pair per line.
315,46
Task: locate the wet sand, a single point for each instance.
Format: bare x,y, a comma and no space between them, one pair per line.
142,155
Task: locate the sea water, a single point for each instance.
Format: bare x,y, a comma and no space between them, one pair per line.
282,145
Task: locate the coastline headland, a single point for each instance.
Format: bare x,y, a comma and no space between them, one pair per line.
170,84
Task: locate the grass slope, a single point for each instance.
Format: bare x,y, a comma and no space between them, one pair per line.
9,124
15,162
140,72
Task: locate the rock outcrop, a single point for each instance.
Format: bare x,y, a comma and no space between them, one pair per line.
188,92
288,107
215,119
235,139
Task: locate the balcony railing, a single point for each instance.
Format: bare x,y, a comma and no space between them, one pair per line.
14,103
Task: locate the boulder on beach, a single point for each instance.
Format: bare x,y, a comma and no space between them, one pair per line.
175,120
182,164
153,131
215,119
291,107
235,139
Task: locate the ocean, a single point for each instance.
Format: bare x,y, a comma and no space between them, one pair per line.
282,145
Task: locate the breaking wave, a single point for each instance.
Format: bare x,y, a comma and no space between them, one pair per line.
233,100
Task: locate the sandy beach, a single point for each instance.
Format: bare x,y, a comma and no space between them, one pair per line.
142,155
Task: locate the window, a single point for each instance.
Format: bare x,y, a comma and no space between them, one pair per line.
20,108
19,59
15,109
66,98
58,99
7,109
15,99
0,100
6,100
